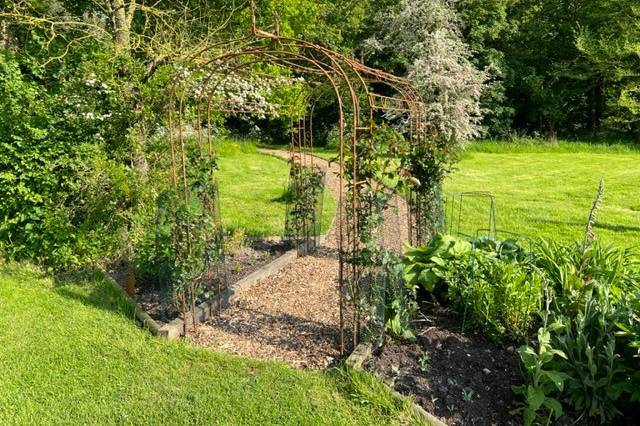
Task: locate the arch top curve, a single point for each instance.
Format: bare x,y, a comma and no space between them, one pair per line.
316,63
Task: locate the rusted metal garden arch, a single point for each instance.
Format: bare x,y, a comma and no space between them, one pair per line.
350,81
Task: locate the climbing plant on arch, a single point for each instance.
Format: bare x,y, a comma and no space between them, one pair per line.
222,79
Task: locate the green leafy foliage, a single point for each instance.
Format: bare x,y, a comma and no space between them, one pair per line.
543,381
305,196
189,236
65,197
376,283
592,299
491,283
584,360
428,265
400,299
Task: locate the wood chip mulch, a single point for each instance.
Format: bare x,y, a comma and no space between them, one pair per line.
293,316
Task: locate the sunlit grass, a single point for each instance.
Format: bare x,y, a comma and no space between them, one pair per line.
70,353
547,190
253,190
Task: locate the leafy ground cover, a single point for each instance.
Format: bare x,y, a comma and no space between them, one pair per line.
253,190
546,190
581,297
70,353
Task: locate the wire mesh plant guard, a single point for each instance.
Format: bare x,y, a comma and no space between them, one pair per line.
201,92
189,234
465,205
305,189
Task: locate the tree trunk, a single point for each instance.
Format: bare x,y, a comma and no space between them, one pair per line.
121,18
4,35
600,105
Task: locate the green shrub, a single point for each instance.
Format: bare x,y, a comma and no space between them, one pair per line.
66,181
543,382
501,297
586,357
400,298
593,322
304,208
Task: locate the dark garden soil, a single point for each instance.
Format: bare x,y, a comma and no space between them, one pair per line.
246,260
240,263
464,379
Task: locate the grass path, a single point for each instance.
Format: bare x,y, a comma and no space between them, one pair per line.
71,354
252,191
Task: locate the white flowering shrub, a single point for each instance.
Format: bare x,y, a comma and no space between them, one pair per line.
259,95
437,63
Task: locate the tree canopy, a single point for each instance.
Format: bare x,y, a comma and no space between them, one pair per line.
83,93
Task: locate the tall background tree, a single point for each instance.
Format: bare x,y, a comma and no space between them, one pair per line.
436,59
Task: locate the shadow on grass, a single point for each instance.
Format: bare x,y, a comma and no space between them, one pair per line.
599,225
90,287
285,198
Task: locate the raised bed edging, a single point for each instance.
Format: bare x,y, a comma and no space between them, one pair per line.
139,313
175,329
356,360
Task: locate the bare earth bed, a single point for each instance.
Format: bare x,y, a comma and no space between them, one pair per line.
467,379
240,263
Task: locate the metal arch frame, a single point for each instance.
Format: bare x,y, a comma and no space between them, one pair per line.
339,74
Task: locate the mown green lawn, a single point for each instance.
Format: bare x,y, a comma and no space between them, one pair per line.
70,353
547,190
253,188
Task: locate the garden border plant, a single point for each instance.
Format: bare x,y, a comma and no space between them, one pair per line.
583,361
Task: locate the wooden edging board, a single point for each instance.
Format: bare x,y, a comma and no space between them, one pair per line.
140,314
175,329
204,311
356,360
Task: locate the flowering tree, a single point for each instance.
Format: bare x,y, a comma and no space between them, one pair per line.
437,62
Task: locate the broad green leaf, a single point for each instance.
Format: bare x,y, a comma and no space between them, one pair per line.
535,397
556,377
554,406
438,261
529,416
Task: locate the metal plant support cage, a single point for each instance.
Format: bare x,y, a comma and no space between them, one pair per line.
303,217
324,71
455,208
